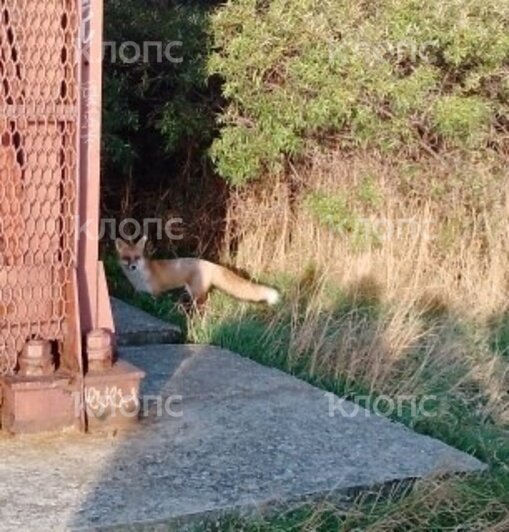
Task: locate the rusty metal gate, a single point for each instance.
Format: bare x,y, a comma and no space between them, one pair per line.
39,132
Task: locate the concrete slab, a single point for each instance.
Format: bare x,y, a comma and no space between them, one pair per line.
237,436
136,327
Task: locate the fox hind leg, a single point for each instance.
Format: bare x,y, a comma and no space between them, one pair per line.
197,293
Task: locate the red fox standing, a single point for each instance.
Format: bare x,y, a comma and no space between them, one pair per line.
195,275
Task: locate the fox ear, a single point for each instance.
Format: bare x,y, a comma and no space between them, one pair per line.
142,242
119,244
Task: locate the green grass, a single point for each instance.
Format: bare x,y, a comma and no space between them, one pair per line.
500,336
466,504
265,335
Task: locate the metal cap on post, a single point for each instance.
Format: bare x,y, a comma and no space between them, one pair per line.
36,359
99,350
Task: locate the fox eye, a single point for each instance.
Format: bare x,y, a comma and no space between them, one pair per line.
137,257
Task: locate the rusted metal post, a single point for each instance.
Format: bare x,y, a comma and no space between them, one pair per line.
110,391
53,292
40,338
95,310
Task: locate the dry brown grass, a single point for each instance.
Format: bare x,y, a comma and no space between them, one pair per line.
454,246
427,254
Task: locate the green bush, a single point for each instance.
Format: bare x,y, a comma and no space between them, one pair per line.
393,75
463,120
155,110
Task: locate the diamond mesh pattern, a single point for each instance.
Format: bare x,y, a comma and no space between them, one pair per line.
38,172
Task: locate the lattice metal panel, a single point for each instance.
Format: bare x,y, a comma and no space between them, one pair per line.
39,94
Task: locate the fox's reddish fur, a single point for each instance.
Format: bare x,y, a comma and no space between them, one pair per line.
196,275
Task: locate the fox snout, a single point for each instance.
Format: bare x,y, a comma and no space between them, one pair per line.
130,263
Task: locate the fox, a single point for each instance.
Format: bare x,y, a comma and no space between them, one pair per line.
196,276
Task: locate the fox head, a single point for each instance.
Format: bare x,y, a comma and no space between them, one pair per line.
131,255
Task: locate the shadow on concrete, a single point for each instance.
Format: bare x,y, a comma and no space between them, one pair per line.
250,439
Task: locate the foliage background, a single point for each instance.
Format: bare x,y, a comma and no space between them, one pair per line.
159,120
356,155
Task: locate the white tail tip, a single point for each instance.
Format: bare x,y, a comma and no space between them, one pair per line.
273,296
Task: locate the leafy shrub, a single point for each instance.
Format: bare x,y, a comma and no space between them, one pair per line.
461,119
332,211
336,214
399,76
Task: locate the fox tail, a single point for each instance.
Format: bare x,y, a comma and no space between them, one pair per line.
240,288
